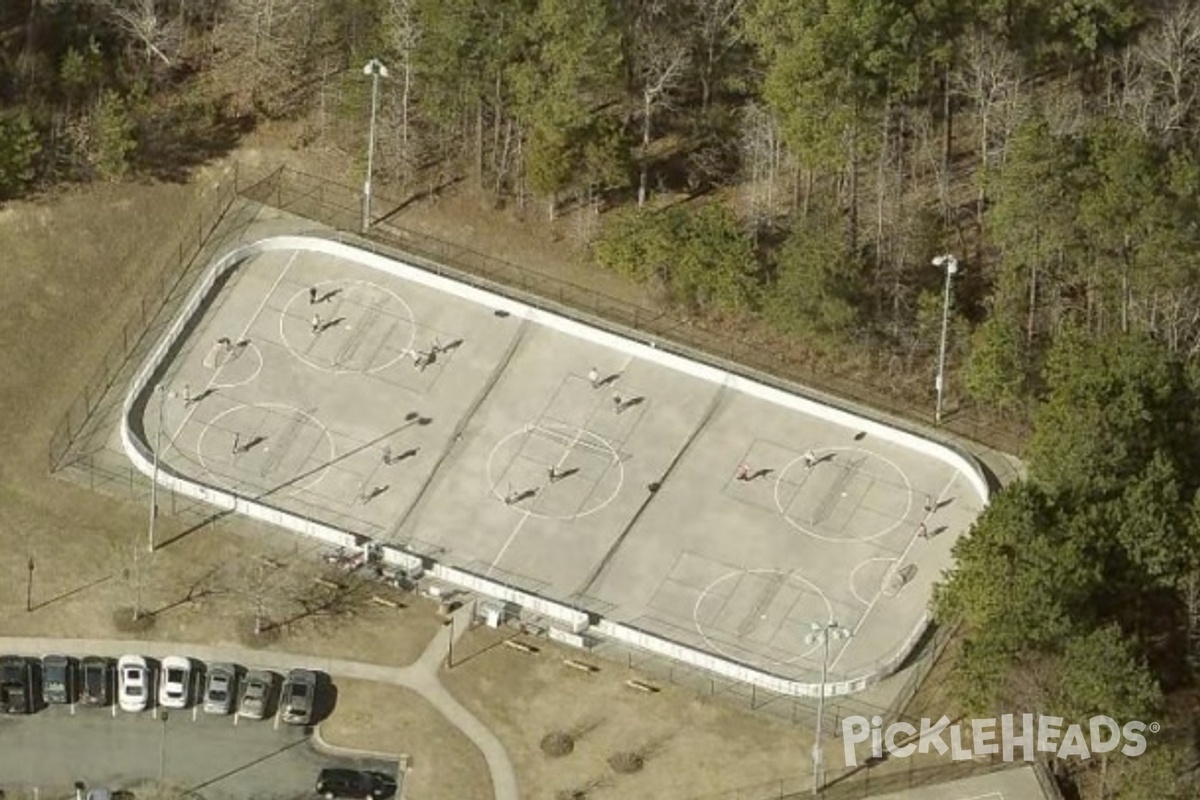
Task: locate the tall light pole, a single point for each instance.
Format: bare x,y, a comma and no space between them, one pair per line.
162,749
950,264
161,392
821,634
376,70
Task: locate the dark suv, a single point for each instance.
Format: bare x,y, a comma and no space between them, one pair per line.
334,782
16,685
58,680
96,680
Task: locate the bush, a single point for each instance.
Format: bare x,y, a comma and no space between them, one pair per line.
701,259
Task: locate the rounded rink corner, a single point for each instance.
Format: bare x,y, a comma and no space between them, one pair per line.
737,618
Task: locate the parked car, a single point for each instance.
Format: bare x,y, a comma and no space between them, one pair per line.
219,691
256,694
133,683
335,782
58,680
297,698
96,681
16,685
174,682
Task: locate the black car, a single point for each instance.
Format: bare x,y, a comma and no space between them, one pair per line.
334,782
16,685
58,679
97,681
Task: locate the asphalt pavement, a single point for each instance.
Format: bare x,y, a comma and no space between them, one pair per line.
215,756
421,677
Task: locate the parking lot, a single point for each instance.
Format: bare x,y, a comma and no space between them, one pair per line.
217,756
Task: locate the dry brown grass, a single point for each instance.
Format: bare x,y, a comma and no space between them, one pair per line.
689,746
442,762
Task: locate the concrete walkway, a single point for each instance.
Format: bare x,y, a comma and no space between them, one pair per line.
420,677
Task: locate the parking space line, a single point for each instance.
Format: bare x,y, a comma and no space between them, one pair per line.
195,711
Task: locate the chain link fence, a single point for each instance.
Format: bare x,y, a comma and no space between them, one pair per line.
884,778
75,436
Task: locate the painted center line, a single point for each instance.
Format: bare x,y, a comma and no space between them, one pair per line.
516,529
241,337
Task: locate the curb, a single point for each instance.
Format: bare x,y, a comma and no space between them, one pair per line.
320,743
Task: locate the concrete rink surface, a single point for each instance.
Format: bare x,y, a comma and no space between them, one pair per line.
657,498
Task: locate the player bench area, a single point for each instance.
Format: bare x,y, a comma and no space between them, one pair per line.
562,460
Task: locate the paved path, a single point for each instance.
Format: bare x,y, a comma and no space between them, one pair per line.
421,677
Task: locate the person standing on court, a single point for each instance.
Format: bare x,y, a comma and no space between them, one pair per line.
312,295
594,377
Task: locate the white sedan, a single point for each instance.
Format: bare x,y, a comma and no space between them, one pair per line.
174,682
133,683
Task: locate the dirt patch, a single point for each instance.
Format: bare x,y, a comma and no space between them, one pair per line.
394,720
626,763
558,744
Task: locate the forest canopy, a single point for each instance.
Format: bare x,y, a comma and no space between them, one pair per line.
825,149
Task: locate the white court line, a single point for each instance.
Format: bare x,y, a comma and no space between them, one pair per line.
241,337
567,450
859,566
738,573
900,560
517,529
624,367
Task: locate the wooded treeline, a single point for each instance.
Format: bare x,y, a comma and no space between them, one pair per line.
792,165
1078,590
821,151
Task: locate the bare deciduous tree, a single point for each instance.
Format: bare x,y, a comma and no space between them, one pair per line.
761,145
719,32
279,594
660,62
990,78
403,35
1170,53
140,20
